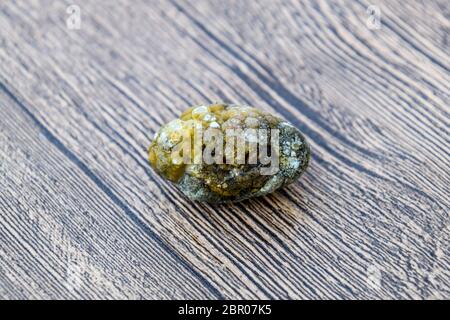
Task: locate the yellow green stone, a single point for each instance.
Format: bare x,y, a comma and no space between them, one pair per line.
226,181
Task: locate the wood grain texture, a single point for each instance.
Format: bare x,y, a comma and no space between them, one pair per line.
82,215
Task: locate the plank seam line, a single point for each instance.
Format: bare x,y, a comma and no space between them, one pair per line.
109,193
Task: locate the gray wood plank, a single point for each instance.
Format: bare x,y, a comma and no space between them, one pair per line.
370,218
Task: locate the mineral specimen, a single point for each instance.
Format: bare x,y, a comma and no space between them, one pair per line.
226,153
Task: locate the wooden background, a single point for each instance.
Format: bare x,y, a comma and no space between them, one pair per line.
82,215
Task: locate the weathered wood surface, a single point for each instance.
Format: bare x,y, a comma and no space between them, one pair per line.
83,216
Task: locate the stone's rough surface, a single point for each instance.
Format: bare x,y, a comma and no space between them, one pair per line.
227,182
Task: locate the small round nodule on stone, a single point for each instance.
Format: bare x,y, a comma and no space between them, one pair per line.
228,182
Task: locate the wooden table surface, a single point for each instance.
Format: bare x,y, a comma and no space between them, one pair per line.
82,214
